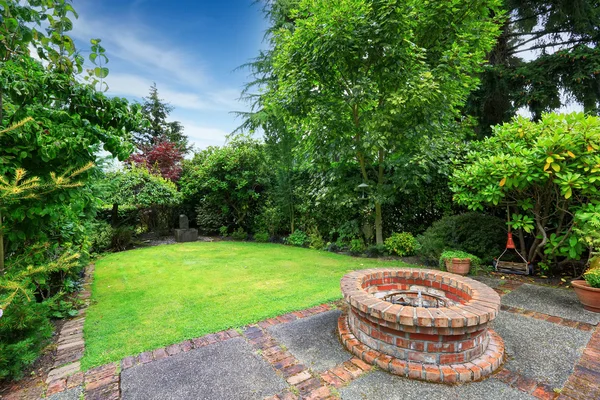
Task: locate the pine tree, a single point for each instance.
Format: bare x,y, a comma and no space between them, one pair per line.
156,110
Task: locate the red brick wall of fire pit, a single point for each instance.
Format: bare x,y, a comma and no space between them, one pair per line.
453,335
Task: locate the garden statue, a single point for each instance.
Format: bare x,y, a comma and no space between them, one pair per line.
184,233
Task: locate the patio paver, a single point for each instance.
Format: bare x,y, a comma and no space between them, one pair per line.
226,370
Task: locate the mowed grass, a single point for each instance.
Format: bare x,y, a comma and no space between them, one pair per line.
149,298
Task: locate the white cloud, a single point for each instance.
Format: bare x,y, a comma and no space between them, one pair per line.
129,85
204,136
138,45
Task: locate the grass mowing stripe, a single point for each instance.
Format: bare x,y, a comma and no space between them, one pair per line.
148,298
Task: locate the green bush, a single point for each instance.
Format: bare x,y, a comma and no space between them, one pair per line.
592,277
122,238
261,237
239,234
475,233
24,331
376,250
101,236
298,238
315,240
223,231
357,246
450,254
402,244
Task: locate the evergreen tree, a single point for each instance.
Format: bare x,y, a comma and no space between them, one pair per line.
546,56
156,110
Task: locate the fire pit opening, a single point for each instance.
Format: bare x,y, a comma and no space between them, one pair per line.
423,324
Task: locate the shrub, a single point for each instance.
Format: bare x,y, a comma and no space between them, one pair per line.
239,234
376,250
210,219
450,254
315,240
223,231
24,331
261,237
298,238
592,277
403,244
357,246
122,238
332,247
478,234
101,236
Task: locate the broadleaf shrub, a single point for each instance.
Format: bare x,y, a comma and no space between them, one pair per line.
375,251
357,246
261,237
298,238
478,234
239,234
402,244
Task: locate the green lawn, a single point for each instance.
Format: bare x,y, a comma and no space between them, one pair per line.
148,298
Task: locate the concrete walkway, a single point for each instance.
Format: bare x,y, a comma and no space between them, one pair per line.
553,348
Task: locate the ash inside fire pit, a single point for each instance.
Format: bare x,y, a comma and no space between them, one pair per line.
416,298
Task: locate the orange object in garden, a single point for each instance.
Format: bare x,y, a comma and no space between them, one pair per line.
524,267
510,243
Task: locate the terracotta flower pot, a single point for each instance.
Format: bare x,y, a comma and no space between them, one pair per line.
459,266
588,296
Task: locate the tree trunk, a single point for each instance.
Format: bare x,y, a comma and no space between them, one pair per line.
378,224
114,216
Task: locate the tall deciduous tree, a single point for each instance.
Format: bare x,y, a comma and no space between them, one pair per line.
362,80
159,130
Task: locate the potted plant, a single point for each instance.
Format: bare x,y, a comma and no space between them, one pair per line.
587,227
457,261
588,290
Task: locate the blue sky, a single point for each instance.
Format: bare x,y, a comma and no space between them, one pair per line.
189,48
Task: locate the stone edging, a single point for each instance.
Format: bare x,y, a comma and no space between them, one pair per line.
66,371
585,380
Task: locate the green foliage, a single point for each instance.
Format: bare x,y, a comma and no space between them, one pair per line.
545,171
332,79
229,182
261,237
592,277
60,308
450,254
24,330
357,246
298,238
239,234
562,64
224,231
156,112
121,238
402,244
376,250
315,240
64,125
100,236
479,234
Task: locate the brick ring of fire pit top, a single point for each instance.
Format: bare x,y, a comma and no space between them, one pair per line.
420,323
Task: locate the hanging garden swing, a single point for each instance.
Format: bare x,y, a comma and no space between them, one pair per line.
522,268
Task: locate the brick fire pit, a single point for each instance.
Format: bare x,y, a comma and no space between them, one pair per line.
422,324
